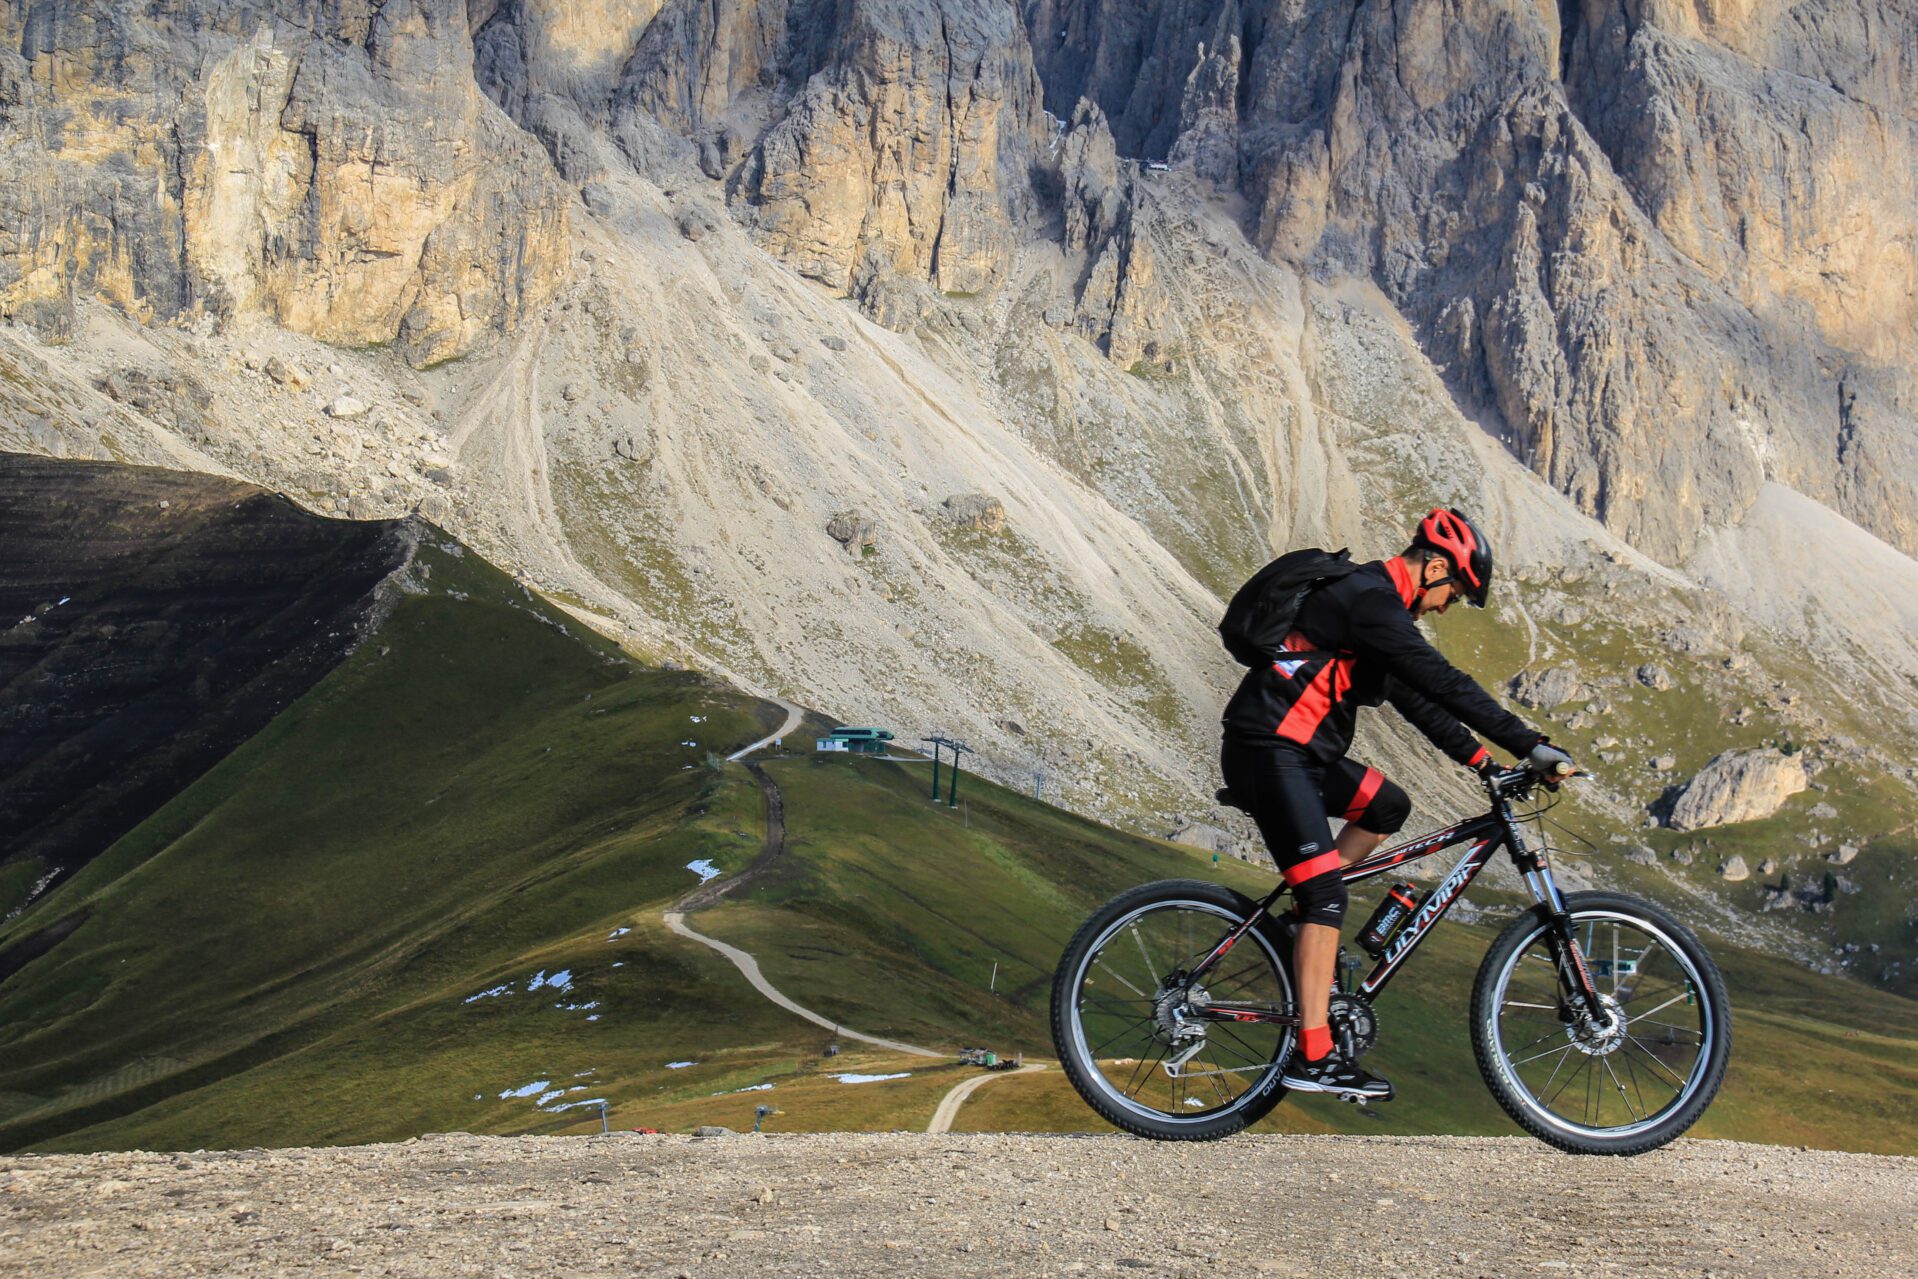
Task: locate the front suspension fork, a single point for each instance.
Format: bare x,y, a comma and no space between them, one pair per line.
1562,940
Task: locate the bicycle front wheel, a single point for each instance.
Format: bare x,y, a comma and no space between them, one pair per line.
1622,1083
1127,1020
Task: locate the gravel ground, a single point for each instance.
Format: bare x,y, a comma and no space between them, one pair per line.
912,1204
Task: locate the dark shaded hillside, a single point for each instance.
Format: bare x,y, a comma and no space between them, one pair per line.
150,622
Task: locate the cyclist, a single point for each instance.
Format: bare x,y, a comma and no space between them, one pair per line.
1289,726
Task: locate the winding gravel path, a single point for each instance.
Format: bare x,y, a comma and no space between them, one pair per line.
793,715
910,1204
707,894
949,1104
749,967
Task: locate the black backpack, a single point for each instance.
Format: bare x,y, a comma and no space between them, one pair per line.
1265,609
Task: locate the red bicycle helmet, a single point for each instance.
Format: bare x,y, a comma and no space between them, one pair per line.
1458,540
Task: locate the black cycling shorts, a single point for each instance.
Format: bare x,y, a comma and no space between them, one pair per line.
1293,801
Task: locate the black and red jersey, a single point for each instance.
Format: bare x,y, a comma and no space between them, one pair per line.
1356,644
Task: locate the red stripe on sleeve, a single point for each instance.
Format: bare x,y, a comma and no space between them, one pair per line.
1311,867
1368,787
1478,757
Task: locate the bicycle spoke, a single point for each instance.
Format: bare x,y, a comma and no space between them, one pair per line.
1677,1030
1632,1071
1682,986
1606,1061
1150,967
1554,1074
1244,977
1128,1029
1225,1098
1148,1067
1547,1101
1562,1048
1649,1011
1652,1057
1519,1003
1252,1055
1113,973
1555,1030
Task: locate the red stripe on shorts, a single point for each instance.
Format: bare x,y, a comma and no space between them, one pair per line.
1311,867
1368,787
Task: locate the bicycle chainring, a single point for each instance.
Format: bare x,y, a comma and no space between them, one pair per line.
1352,1012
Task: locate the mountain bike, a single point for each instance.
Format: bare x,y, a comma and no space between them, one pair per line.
1598,1021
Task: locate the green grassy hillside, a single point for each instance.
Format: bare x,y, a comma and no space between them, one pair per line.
428,897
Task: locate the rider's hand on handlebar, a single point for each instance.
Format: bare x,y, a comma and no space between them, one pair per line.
1485,767
1549,762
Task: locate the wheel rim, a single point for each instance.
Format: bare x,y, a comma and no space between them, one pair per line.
1126,1022
1611,1080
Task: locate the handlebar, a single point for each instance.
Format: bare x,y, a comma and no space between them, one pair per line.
1521,777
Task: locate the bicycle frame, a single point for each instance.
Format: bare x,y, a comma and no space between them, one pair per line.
1486,835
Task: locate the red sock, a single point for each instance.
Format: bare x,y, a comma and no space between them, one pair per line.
1317,1042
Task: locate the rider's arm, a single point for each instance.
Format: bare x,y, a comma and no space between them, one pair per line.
1440,728
1383,630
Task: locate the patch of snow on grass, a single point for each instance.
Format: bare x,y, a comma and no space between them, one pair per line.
494,993
680,1065
704,868
578,1008
617,932
870,1079
548,1095
574,1105
561,981
538,1085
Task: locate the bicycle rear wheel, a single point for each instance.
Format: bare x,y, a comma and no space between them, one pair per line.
1123,1013
1621,1085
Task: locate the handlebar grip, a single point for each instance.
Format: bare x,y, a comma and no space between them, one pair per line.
1563,770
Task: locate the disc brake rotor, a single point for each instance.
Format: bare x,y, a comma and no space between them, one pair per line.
1595,1039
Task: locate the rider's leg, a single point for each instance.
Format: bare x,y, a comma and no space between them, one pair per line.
1356,843
1373,809
1313,956
1316,951
1321,900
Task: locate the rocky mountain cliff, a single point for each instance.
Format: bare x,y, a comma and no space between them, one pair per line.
720,320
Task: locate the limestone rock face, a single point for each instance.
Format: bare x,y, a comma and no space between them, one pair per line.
1208,141
1739,787
900,146
341,174
1119,305
1589,212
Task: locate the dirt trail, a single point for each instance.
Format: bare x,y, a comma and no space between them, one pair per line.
949,1104
886,1205
707,894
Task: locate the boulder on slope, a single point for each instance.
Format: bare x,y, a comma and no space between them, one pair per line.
1738,786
